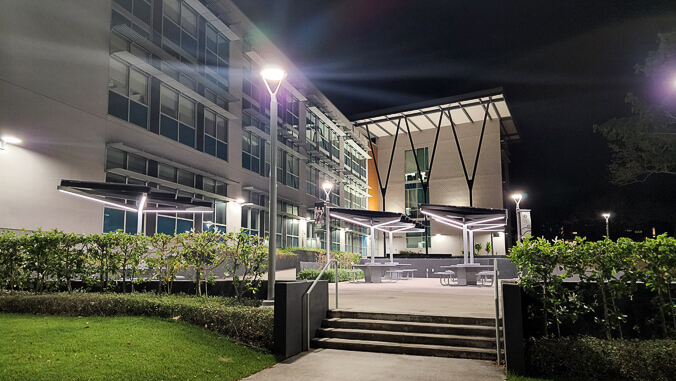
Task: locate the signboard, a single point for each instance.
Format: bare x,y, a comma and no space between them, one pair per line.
320,218
526,223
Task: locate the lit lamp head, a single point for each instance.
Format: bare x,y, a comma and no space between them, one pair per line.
606,216
273,76
8,140
517,198
327,187
242,202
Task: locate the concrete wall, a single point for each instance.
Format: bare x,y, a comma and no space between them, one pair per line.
447,183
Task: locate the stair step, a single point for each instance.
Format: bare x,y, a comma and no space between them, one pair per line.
403,348
407,337
413,318
404,326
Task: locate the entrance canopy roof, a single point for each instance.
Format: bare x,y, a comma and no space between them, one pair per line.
389,222
465,217
117,195
469,220
383,221
460,109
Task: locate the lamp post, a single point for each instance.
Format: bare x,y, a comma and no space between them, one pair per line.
607,217
327,187
273,77
517,198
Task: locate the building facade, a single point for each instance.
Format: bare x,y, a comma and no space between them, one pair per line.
451,151
165,93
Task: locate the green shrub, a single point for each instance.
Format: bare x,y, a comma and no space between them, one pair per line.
330,275
241,321
593,358
610,269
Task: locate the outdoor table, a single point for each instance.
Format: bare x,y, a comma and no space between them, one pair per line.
373,272
466,273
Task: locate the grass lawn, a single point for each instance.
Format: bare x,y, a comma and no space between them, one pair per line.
36,347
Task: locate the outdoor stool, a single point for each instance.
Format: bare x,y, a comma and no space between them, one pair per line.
447,276
352,275
483,276
394,275
408,273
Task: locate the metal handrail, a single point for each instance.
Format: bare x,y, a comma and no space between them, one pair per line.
309,291
496,285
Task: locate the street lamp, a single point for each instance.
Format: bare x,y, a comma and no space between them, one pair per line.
273,77
327,187
517,198
607,217
8,140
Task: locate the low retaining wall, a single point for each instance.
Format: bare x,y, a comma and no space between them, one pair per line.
290,315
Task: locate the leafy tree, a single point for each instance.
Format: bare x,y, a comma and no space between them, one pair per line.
70,256
40,248
644,144
203,251
488,248
167,261
11,259
246,254
132,249
102,254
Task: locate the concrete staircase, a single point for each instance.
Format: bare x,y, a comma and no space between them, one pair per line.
441,336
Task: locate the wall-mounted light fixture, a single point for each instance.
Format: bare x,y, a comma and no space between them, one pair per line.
8,140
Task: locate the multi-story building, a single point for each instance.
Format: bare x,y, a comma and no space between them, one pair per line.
165,93
450,151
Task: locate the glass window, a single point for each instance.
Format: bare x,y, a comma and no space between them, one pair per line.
113,219
166,172
410,167
187,82
168,102
172,9
119,75
209,122
185,178
187,111
221,129
136,163
115,159
117,43
223,48
189,20
138,87
209,185
219,212
212,38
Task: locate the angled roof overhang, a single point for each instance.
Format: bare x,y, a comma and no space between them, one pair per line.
465,217
384,221
135,198
461,109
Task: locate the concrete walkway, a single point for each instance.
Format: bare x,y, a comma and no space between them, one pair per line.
331,364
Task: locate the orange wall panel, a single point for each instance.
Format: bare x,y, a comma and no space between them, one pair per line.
373,181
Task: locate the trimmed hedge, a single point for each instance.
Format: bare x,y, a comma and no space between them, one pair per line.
592,358
241,321
329,275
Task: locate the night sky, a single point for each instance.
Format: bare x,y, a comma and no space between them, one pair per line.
564,66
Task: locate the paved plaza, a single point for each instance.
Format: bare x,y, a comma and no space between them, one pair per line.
415,296
331,364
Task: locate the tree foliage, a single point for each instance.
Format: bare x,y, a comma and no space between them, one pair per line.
644,144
